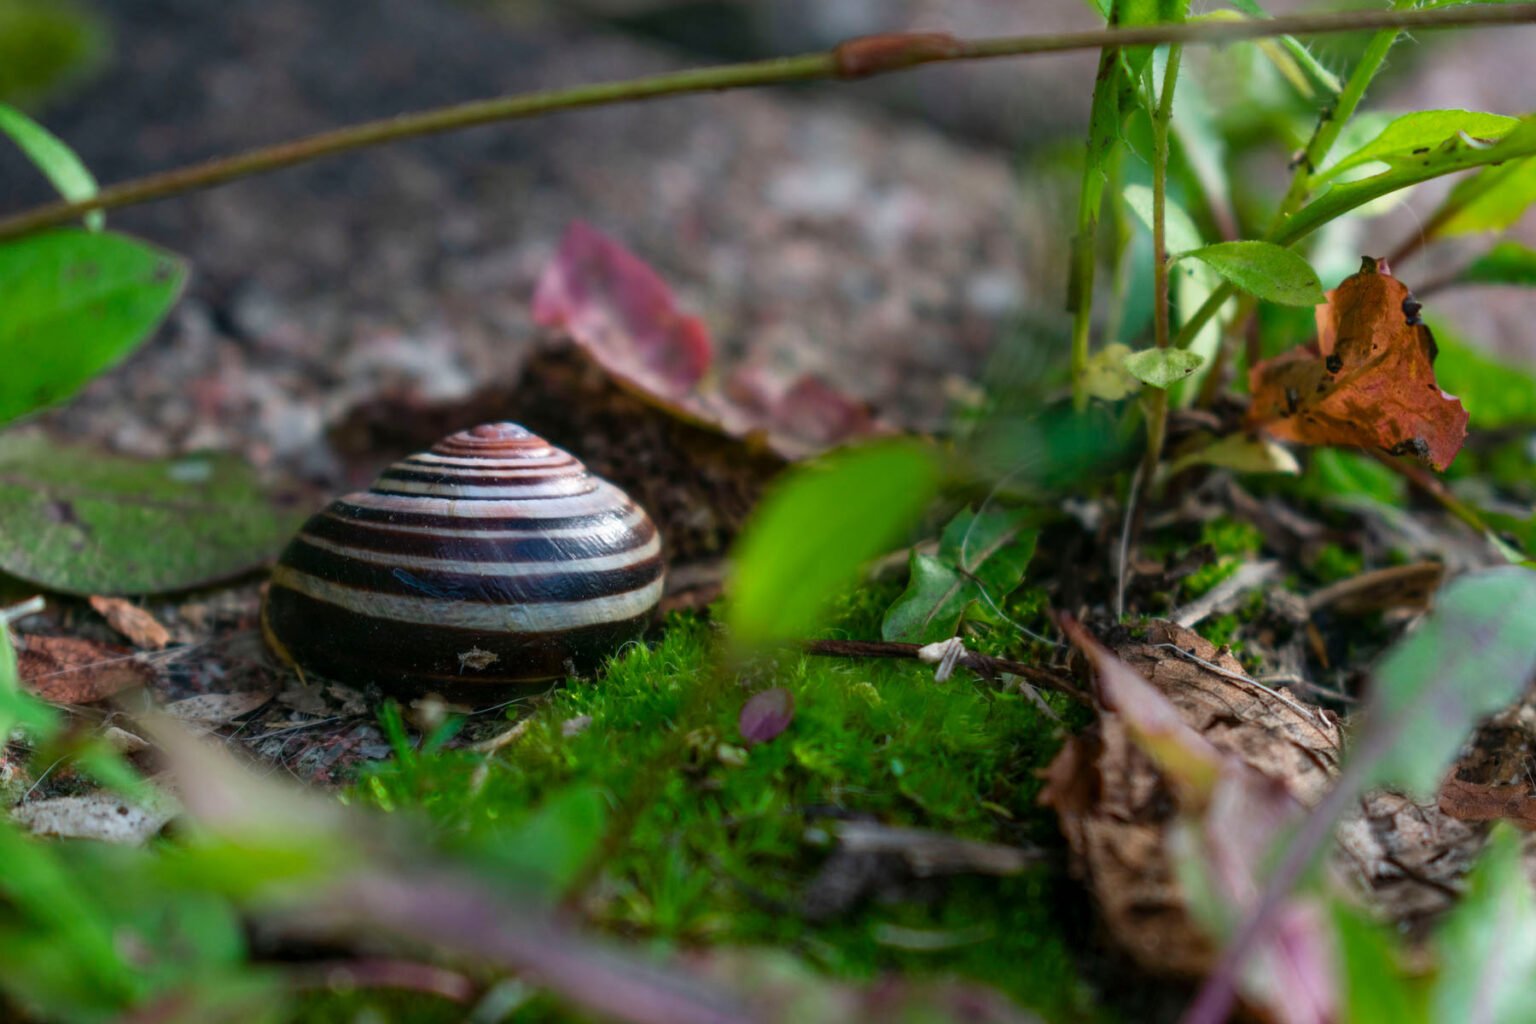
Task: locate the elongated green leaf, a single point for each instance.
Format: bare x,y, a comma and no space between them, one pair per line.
1179,229
1268,271
981,558
55,159
1490,200
73,303
82,521
1162,367
1454,156
1472,655
810,536
1487,944
1505,263
1327,79
1420,133
1376,988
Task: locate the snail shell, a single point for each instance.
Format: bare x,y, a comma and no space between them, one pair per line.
494,559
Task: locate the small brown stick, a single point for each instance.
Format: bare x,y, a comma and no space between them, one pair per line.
982,664
1435,488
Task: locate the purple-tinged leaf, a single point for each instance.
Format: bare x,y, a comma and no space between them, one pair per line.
767,714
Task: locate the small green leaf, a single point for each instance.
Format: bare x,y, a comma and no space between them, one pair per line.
812,533
1490,200
1179,229
1487,943
73,303
82,521
1505,263
1472,655
1496,393
1162,367
981,557
55,159
1417,135
1241,453
1268,271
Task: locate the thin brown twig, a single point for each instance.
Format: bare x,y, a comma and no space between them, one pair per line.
982,664
857,58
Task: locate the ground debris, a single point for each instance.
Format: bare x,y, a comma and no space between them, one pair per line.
136,624
107,817
75,670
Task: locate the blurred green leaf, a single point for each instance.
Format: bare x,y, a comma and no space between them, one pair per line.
73,303
1303,56
1487,944
1472,655
1334,474
981,557
1106,377
1505,263
1418,134
55,159
1242,453
547,850
1495,393
1490,200
1268,271
44,45
1375,986
814,531
1162,367
83,521
1180,232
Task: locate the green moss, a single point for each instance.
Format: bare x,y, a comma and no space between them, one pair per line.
1232,537
719,841
1334,563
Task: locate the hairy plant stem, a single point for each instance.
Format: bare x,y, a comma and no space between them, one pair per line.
1157,400
854,59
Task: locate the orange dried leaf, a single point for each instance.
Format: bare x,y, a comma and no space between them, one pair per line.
1368,380
140,627
71,670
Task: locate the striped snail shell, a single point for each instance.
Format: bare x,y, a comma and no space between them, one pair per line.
495,559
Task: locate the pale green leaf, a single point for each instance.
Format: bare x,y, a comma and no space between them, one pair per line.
1490,200
84,521
1266,270
1162,367
981,558
55,159
1241,453
814,531
1179,229
1106,377
73,303
1496,392
1414,137
1487,944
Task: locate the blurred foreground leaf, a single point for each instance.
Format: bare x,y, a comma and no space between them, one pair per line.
55,159
1487,944
73,303
1505,263
44,44
82,521
813,532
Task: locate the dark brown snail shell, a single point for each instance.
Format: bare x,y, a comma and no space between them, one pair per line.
493,560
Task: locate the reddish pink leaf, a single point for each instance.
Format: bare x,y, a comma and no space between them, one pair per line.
620,310
766,715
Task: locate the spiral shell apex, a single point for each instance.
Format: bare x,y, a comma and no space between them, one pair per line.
493,560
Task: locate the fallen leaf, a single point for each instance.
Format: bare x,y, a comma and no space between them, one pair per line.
140,628
211,710
103,816
72,670
1469,801
1368,380
766,715
1399,586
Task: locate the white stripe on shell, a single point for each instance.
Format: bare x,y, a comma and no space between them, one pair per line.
603,498
547,457
562,487
600,563
606,530
498,618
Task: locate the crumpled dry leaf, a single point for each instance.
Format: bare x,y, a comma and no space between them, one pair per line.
140,628
103,816
1195,745
622,314
73,670
1405,857
208,711
1471,801
1368,380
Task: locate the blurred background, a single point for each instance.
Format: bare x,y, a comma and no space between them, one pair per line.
903,237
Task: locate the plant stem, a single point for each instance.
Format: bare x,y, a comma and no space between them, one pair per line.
1157,401
982,664
854,59
1466,193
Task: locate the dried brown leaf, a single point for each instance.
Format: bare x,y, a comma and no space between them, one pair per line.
73,670
140,628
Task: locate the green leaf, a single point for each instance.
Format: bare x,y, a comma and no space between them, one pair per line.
814,531
1375,986
1472,655
1495,393
981,557
1162,367
73,303
55,159
1179,229
44,44
82,521
1420,133
1266,270
1106,377
1490,200
1487,943
1505,263
1303,56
